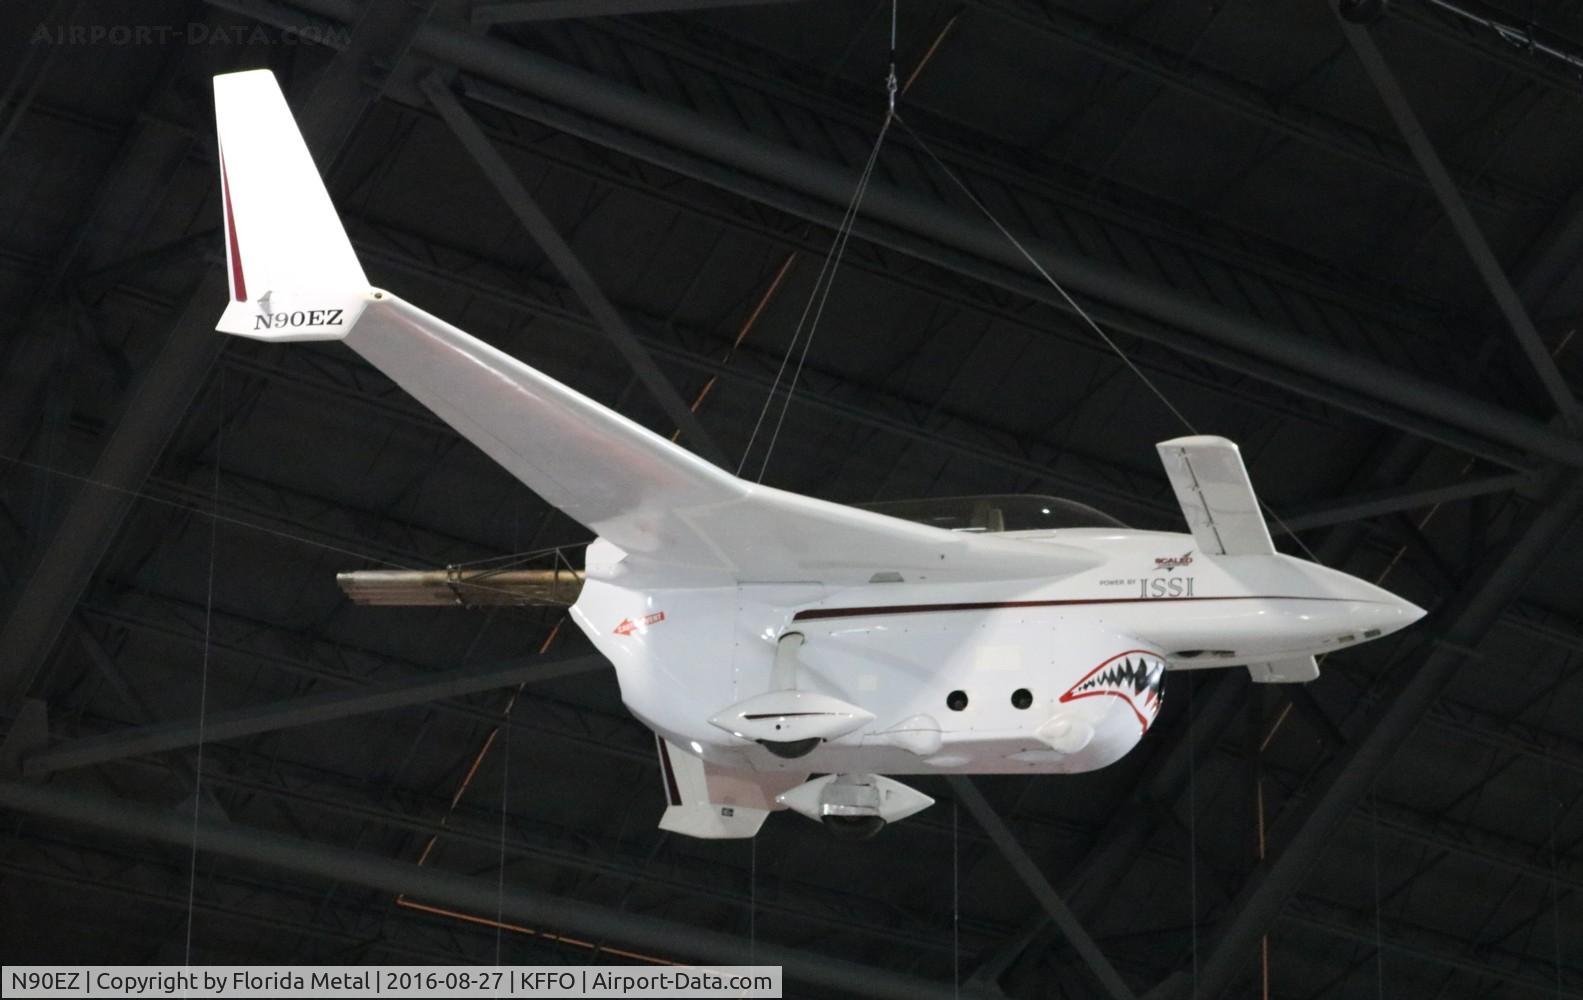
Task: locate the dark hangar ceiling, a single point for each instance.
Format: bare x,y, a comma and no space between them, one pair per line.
1383,319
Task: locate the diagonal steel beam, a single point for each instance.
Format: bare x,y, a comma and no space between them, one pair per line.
533,218
1115,849
1180,72
1513,46
1463,622
286,714
519,11
113,675
158,402
1027,870
1437,948
160,398
922,227
529,906
1467,228
1555,256
1359,508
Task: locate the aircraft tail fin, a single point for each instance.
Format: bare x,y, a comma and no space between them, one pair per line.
292,272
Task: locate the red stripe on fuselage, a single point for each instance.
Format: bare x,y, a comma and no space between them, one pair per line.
238,283
813,614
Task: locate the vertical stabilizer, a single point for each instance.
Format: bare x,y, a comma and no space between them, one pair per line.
292,272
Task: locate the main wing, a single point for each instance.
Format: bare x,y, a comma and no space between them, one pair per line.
654,500
1217,498
658,502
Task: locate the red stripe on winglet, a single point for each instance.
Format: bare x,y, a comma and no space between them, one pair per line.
238,283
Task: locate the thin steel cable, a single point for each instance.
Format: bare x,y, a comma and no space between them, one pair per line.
1192,831
843,239
826,270
505,770
1553,805
753,898
1043,273
1379,903
890,77
500,871
203,674
219,518
1077,308
512,558
956,908
201,512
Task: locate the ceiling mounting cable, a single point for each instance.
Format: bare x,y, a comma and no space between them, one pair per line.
820,294
203,674
1524,39
890,78
1074,305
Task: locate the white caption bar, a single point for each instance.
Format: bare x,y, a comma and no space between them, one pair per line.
348,981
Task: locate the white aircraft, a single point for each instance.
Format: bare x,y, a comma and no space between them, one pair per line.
767,637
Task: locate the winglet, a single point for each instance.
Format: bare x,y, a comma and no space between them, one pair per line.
292,272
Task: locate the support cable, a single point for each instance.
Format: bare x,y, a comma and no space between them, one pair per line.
203,674
956,906
1379,901
890,79
1077,308
1192,833
825,280
213,514
505,803
753,898
817,297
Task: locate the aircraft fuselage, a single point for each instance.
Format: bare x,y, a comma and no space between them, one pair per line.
1008,676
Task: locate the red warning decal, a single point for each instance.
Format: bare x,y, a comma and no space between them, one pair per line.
628,626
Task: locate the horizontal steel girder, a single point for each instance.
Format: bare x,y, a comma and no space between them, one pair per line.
641,125
1465,620
518,11
525,905
305,711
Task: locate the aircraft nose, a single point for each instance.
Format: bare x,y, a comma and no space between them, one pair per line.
1382,609
1389,613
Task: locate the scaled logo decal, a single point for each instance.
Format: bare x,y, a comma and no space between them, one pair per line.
1169,563
628,626
1136,677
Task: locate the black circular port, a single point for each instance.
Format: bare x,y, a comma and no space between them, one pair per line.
956,701
1021,698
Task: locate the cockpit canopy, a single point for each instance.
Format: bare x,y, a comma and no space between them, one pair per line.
1010,512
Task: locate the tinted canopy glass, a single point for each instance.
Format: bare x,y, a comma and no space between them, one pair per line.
1011,512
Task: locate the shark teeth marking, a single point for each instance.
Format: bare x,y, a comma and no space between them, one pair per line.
1136,676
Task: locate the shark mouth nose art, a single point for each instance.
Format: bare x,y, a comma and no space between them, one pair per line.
1136,677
